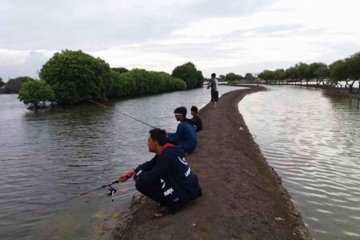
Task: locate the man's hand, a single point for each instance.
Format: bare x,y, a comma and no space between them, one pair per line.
126,175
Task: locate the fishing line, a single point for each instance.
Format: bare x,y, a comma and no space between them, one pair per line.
111,190
109,186
125,114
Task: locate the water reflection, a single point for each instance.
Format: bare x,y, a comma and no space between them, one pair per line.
313,142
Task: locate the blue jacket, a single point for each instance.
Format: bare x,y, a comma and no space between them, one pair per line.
185,136
173,172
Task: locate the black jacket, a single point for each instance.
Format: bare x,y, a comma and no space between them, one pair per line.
198,122
173,173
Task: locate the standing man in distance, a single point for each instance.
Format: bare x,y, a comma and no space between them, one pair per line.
213,84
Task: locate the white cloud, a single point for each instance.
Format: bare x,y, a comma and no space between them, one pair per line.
12,57
135,57
229,35
22,63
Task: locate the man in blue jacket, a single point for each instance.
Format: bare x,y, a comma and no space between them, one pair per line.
185,136
167,178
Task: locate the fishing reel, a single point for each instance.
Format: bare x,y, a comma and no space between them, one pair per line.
111,192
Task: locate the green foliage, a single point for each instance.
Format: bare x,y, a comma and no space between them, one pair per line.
36,93
302,71
347,69
267,75
230,77
120,70
319,70
189,74
14,84
353,66
1,83
249,77
290,73
200,79
298,72
141,82
222,78
77,77
279,74
338,71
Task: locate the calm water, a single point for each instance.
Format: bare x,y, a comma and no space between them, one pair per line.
313,142
53,155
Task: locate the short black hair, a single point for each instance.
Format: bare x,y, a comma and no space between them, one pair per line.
194,109
158,135
181,110
213,75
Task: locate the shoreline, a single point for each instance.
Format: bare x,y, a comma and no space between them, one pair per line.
243,197
328,90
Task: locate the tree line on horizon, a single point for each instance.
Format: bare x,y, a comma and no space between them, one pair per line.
231,77
343,70
13,85
73,77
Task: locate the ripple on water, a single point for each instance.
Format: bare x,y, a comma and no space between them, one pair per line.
351,234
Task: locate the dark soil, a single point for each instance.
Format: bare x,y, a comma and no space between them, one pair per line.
243,197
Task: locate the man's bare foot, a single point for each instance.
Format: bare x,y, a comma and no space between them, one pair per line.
161,212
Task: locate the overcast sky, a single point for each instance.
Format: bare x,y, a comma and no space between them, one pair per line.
216,35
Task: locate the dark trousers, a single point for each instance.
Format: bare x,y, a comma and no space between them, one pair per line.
154,191
214,96
151,190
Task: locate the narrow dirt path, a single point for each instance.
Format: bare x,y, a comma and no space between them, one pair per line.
243,197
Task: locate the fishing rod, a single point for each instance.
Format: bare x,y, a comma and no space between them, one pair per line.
125,114
111,193
111,190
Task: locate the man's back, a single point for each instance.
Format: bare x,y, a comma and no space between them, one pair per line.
181,177
171,170
213,84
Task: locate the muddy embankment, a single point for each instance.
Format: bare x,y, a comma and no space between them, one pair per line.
243,197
